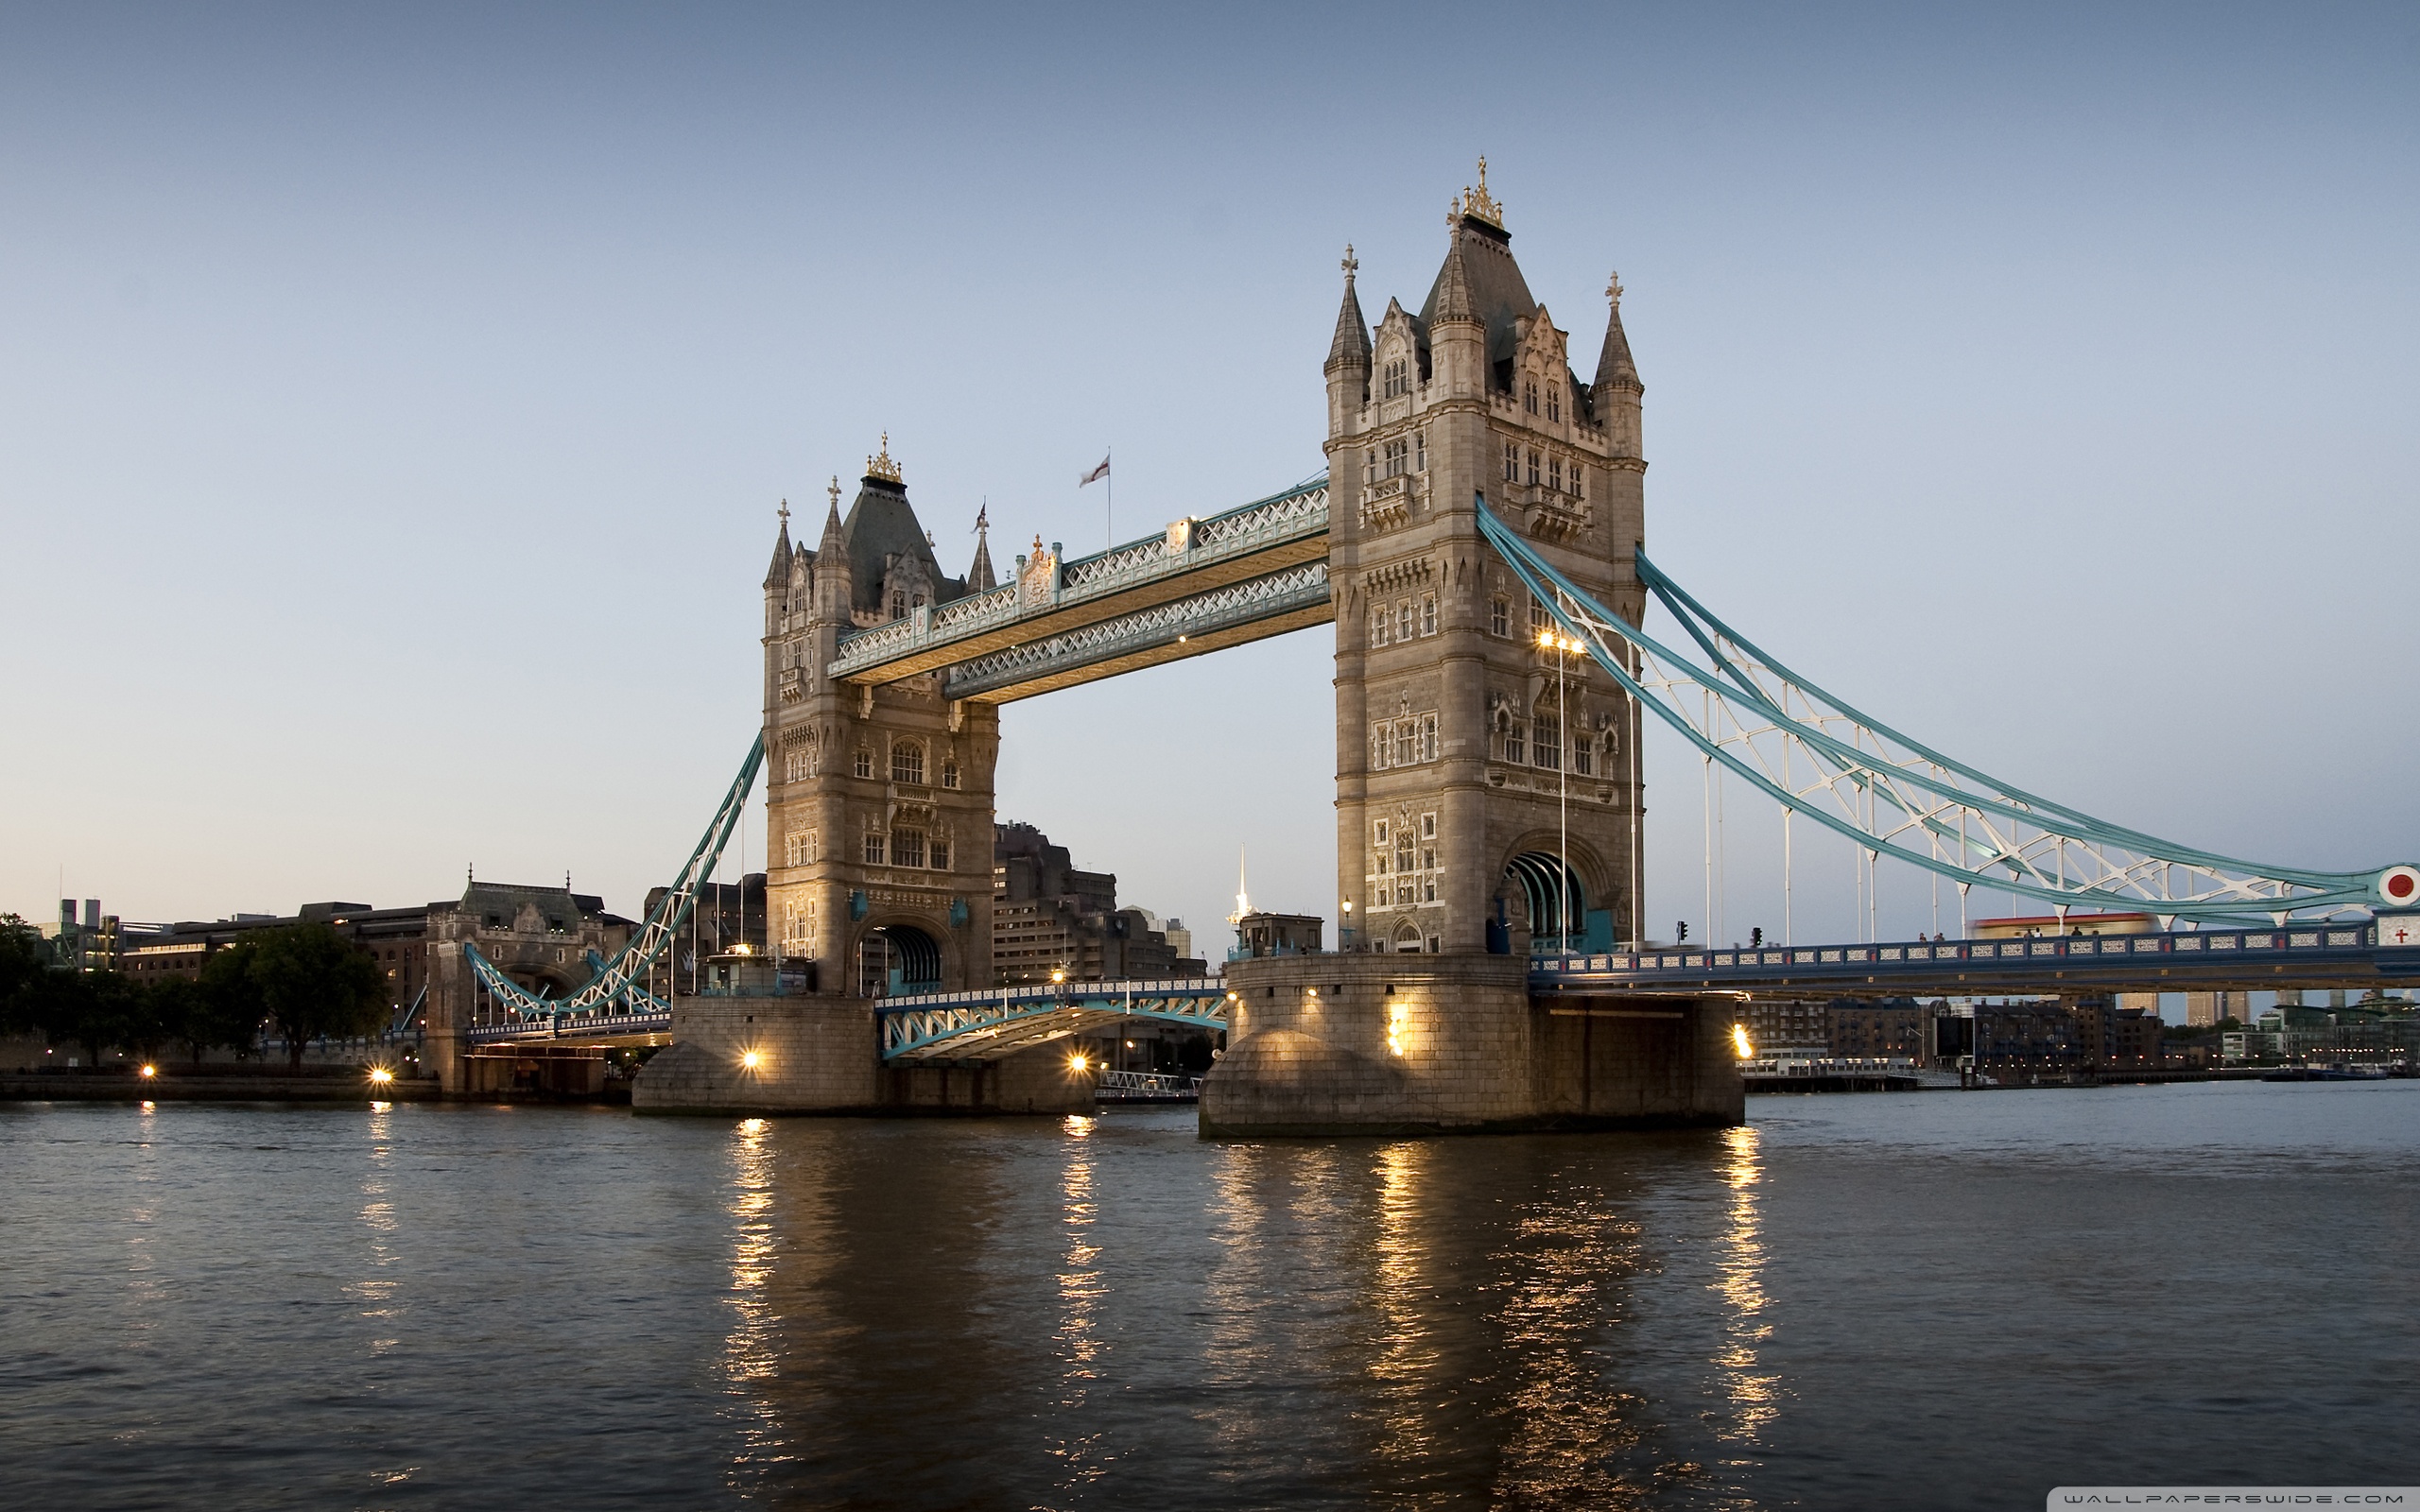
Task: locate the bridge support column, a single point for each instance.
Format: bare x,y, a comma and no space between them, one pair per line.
823,1055
1418,1043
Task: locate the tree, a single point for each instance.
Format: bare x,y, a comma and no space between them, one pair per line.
198,1018
307,979
94,1009
23,959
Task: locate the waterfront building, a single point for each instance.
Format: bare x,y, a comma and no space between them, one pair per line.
2204,1011
1798,1025
1052,920
1890,1028
2020,1041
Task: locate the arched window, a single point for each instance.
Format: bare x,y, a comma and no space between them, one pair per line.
1499,617
1529,396
1554,403
1512,462
907,762
865,762
898,603
949,772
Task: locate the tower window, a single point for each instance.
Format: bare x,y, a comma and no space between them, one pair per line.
1529,396
1533,469
1554,474
1378,626
949,773
1428,821
865,764
1511,463
1406,752
1538,618
1380,830
1579,488
1403,619
907,762
873,848
1398,455
1397,379
1499,622
1514,742
907,849
1420,451
898,604
940,853
1583,756
1428,752
1554,403
1428,614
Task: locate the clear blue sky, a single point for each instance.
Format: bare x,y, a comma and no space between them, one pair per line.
393,405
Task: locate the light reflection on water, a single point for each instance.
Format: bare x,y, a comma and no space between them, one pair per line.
448,1307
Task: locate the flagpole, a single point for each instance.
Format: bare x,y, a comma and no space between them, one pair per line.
1109,513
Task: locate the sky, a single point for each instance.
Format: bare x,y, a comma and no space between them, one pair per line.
395,404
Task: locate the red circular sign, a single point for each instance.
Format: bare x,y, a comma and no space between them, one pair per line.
2400,884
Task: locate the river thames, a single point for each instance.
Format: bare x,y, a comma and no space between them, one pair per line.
1911,1301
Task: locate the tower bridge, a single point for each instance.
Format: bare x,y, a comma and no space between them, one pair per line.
1477,541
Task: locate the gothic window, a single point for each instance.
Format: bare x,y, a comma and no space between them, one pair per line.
949,772
1499,617
1579,485
1380,830
898,603
1546,749
1428,614
1512,462
1538,618
794,764
907,849
1405,752
873,848
1381,748
1554,474
1529,396
1403,619
1428,750
799,849
907,762
1533,469
1514,743
1554,402
1397,379
1404,859
1398,453
1420,451
1583,756
939,850
1428,821
865,762
1378,626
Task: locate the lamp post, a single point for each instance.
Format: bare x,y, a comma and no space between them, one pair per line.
1562,645
1344,931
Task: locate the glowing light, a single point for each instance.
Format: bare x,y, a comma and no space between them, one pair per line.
750,1059
380,1075
149,1072
1398,1017
1739,1041
1076,1064
1059,975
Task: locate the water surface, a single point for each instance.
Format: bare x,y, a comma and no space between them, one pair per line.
1919,1301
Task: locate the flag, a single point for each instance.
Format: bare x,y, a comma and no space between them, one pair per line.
1095,474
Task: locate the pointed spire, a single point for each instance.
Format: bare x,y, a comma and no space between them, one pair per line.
833,553
779,573
1453,300
1351,348
1615,368
979,578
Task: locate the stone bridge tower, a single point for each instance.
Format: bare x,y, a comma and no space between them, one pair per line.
879,800
1453,747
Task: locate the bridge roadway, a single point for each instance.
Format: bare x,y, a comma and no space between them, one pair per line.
988,1025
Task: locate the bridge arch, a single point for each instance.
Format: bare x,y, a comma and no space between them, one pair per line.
897,958
1527,895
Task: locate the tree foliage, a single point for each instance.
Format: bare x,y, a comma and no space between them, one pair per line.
305,979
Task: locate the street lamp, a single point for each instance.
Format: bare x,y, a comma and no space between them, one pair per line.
1345,931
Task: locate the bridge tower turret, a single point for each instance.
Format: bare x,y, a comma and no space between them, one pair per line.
1453,745
878,806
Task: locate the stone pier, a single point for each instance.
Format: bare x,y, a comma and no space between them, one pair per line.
821,1054
1422,1044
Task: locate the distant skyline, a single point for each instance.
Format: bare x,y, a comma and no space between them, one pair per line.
394,407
